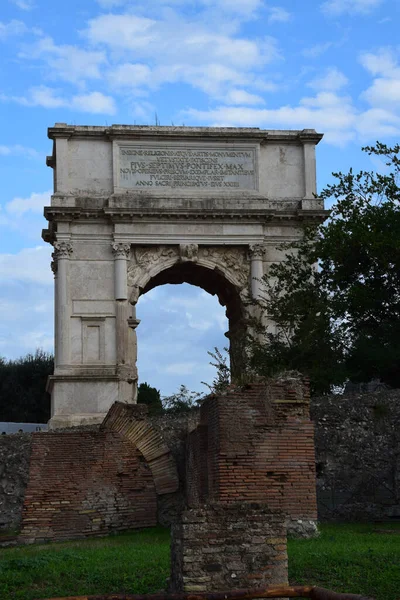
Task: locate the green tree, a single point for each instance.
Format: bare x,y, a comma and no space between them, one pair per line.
182,401
223,377
151,397
336,297
23,396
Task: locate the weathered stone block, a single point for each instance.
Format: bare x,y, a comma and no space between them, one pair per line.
234,562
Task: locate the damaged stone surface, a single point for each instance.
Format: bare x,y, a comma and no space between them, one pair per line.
358,456
217,547
15,452
302,528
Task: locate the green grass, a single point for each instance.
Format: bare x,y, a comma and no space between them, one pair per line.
348,558
354,558
136,562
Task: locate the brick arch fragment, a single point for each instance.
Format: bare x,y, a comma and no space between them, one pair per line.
130,421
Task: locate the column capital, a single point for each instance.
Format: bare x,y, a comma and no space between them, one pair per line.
257,251
62,250
121,250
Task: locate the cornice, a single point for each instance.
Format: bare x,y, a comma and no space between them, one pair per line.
141,132
167,214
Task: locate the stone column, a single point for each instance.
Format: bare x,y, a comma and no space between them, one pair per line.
61,254
53,266
121,254
133,322
125,368
256,270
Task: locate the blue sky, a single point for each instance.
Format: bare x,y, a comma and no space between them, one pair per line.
332,65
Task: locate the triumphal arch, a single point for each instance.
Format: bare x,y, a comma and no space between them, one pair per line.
135,207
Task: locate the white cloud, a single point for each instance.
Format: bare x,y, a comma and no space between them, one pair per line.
317,50
144,111
328,112
384,91
339,7
29,265
236,96
20,300
209,56
17,150
278,14
201,324
179,43
110,3
35,203
41,96
24,4
241,7
378,122
127,32
181,368
66,62
332,80
246,7
93,102
131,75
384,62
12,28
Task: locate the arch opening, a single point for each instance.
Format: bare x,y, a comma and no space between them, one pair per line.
215,283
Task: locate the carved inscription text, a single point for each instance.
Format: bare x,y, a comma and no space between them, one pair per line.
195,167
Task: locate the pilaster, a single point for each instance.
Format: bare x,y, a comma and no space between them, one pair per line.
61,255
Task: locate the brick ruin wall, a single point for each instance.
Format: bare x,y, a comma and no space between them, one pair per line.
256,444
251,468
83,484
357,457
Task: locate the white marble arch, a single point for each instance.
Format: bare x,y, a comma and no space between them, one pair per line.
138,206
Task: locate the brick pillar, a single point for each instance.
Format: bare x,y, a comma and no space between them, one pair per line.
250,469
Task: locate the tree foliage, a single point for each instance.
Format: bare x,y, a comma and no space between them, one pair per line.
336,297
182,401
23,396
151,397
223,376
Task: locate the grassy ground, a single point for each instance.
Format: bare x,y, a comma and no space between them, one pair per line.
135,562
353,558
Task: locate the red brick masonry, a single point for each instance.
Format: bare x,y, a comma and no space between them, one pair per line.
256,444
86,483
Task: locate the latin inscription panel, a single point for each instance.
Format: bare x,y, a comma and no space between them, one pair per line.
191,168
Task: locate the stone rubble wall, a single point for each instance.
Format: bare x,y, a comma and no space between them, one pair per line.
218,547
358,456
15,452
83,484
